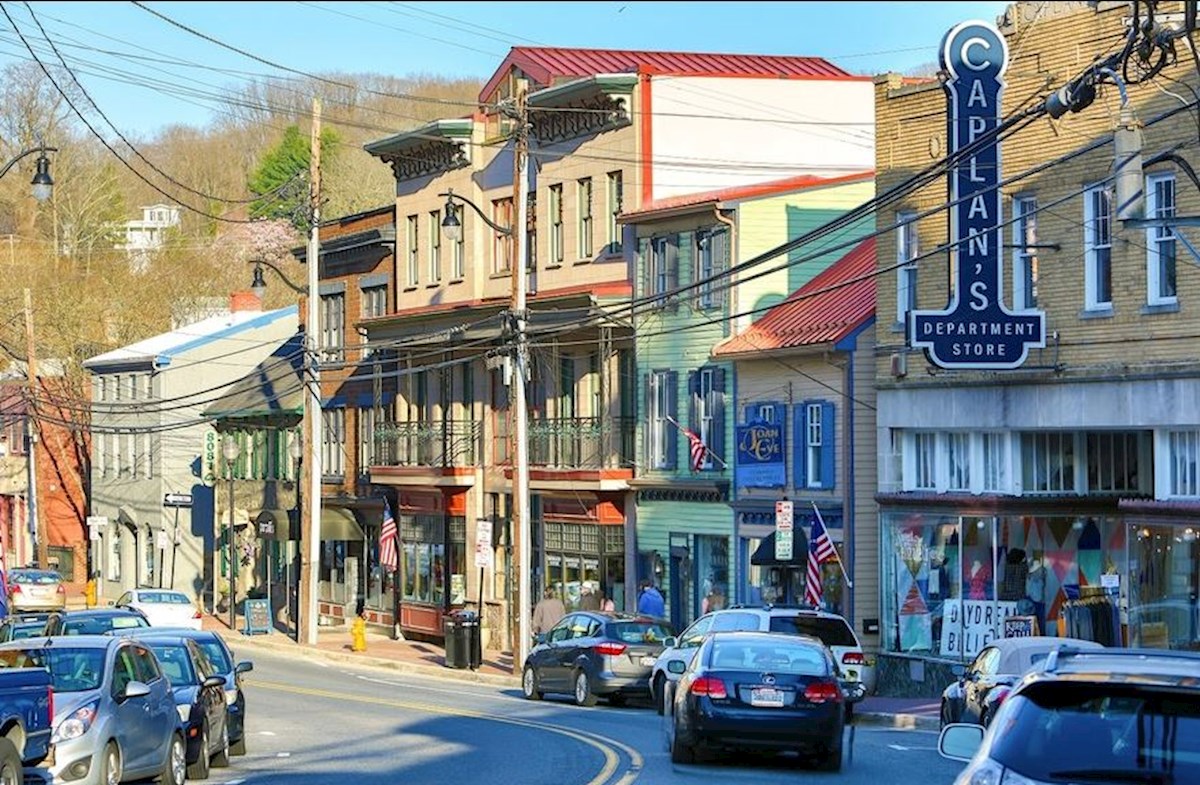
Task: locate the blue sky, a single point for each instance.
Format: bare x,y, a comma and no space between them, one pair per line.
119,50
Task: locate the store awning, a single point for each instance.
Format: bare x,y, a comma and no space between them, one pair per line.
764,554
277,525
339,524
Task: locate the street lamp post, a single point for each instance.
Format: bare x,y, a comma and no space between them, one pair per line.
231,450
517,319
42,184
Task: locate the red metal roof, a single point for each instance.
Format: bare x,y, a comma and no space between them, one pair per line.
546,65
815,313
739,192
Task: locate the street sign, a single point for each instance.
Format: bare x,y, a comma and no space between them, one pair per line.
161,540
208,458
783,531
177,500
96,524
483,543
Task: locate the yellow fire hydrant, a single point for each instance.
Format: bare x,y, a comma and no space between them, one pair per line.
358,634
89,593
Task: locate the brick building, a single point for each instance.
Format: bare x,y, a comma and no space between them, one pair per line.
1064,490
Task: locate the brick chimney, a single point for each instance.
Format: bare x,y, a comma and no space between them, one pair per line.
244,301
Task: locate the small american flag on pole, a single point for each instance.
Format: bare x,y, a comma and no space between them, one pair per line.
387,540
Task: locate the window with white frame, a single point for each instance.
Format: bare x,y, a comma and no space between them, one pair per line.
114,552
1097,248
814,438
366,439
767,412
660,263
704,269
1160,240
435,246
906,274
414,259
661,408
374,301
1024,258
616,203
584,212
1183,454
958,461
503,245
333,325
333,442
1048,462
556,224
705,411
458,257
925,461
995,462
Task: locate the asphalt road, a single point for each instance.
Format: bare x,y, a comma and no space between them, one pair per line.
316,723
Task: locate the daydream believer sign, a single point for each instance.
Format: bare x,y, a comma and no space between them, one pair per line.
976,330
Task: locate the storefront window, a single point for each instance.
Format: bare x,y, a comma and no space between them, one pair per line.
575,556
1164,569
712,572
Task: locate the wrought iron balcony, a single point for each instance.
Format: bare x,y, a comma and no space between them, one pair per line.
581,442
434,443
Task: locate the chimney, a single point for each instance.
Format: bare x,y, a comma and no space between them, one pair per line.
244,301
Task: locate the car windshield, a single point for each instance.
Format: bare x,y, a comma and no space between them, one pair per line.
99,625
34,577
30,630
217,656
1134,734
71,669
163,598
176,663
639,631
775,656
830,631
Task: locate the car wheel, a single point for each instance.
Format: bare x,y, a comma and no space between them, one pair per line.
199,769
221,759
10,764
583,690
657,692
175,772
110,765
831,760
680,752
530,685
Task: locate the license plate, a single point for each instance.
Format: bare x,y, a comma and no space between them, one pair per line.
648,662
765,696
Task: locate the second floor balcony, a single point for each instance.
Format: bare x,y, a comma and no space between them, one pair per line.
436,443
573,443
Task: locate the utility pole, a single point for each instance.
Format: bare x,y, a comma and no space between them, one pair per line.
310,540
36,523
520,448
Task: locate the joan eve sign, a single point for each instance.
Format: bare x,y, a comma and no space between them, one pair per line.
760,462
976,330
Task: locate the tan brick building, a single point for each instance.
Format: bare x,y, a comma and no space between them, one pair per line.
1017,492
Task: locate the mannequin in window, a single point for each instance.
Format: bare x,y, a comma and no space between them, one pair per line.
978,580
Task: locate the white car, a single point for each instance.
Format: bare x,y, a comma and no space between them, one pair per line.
829,628
162,607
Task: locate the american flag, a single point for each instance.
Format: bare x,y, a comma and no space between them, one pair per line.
820,550
387,540
696,449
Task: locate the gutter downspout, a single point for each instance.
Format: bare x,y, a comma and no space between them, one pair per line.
848,503
736,578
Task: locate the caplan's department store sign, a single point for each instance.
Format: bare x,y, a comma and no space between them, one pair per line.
976,330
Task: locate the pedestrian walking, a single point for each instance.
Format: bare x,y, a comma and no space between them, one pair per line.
650,600
547,612
589,600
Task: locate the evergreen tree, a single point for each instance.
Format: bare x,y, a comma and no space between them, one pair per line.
281,179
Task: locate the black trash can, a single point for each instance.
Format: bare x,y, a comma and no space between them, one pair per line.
468,622
456,641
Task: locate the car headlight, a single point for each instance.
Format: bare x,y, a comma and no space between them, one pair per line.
185,711
230,697
989,772
76,723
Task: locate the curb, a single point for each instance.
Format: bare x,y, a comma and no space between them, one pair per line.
897,721
408,668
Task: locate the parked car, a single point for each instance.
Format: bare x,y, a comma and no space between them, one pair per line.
759,691
35,590
833,630
199,698
162,607
26,709
984,684
1090,716
114,714
22,625
93,621
591,654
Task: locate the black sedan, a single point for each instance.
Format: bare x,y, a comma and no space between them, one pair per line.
199,698
590,654
759,691
93,621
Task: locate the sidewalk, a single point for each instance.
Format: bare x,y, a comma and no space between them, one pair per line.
901,713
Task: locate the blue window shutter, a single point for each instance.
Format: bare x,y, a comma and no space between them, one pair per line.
749,413
800,444
828,446
672,410
693,395
647,443
672,263
718,427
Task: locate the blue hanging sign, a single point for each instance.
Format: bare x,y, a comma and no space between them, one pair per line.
976,330
760,456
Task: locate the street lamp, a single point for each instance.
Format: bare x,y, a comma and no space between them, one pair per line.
231,450
258,284
42,184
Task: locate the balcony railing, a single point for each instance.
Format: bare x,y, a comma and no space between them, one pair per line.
434,443
581,442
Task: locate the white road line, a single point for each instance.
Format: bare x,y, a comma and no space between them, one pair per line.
266,733
283,755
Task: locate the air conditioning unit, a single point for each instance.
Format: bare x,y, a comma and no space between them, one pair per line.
899,364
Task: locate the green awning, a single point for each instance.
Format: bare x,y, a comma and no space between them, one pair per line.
339,524
271,394
277,525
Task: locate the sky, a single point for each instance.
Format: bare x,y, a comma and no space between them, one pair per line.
145,73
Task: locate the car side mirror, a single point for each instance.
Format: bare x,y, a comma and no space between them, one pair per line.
112,604
214,681
676,666
960,741
669,642
959,670
245,666
135,689
540,638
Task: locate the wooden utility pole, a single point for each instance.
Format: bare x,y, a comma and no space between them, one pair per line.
36,519
310,538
